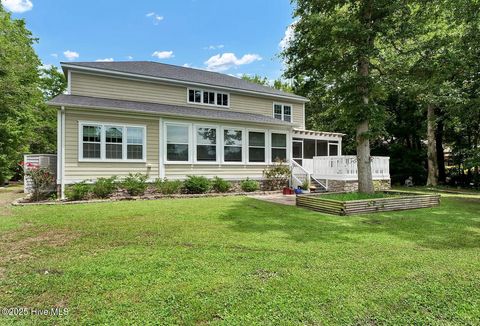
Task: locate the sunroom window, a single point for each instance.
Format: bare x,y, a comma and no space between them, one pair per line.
256,146
177,143
206,144
279,147
232,149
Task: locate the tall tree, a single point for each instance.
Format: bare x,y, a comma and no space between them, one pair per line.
52,82
19,93
335,48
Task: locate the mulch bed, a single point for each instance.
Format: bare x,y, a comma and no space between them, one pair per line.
26,202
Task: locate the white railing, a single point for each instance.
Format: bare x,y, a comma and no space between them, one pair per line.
300,175
345,167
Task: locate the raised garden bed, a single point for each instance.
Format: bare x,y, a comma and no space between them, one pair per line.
347,204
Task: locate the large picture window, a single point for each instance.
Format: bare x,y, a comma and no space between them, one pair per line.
111,142
213,98
177,143
256,146
232,147
279,147
206,144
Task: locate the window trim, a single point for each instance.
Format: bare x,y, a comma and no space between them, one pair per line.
182,124
195,144
283,105
203,90
103,158
244,147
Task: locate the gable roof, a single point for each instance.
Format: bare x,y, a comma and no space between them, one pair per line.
161,71
163,109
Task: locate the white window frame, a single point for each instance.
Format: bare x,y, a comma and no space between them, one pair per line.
195,143
283,111
103,158
207,104
287,145
266,148
244,147
190,141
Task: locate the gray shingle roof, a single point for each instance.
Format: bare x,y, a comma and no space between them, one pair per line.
163,109
181,74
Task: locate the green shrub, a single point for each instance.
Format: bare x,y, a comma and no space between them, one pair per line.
78,191
168,187
249,185
196,184
220,185
277,175
104,187
42,181
135,184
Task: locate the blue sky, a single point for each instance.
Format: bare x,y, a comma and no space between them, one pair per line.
233,37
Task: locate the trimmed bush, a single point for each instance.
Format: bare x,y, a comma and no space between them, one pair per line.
168,187
104,187
196,184
220,185
135,184
249,185
78,191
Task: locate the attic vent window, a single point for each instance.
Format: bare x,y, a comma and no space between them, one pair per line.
204,97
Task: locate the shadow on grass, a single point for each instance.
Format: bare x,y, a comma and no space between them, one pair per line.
454,224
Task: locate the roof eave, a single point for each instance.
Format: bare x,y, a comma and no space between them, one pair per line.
67,66
284,125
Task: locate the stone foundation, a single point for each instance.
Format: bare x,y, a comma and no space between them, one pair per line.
352,186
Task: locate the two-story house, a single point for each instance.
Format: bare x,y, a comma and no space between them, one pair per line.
170,121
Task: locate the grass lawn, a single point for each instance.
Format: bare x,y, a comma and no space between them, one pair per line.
359,196
240,261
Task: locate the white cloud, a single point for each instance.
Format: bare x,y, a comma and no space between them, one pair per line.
156,18
104,60
288,37
129,57
214,47
187,65
17,5
71,55
163,54
225,61
54,55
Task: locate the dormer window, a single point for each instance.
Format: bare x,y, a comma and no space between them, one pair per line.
200,96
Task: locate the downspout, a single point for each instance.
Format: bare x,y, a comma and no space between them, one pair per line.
62,170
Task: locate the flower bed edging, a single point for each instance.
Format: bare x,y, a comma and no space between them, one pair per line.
19,202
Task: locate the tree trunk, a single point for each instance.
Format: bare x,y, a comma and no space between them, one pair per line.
440,152
432,179
365,183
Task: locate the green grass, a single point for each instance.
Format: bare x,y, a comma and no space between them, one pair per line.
358,196
240,261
